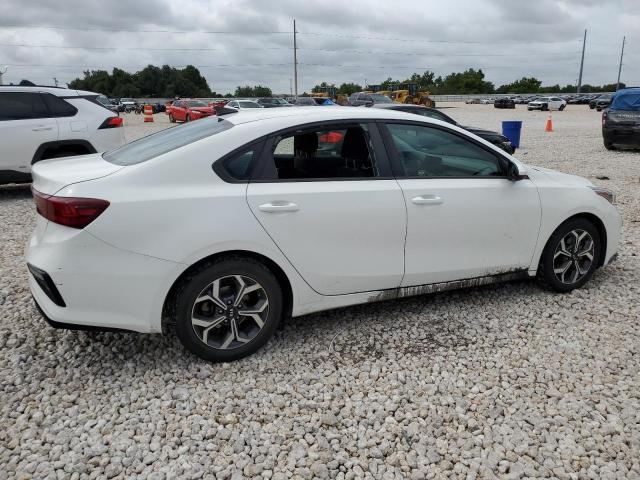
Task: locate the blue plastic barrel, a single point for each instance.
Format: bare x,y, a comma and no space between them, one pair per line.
512,130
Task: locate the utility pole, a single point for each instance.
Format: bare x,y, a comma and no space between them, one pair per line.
3,70
584,42
55,81
619,67
291,87
295,58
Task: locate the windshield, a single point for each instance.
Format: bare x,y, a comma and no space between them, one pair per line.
248,105
103,100
305,101
165,141
379,98
195,103
281,101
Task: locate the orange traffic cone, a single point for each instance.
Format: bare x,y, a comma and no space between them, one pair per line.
549,126
148,113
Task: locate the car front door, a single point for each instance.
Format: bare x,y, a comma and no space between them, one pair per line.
466,219
326,196
25,124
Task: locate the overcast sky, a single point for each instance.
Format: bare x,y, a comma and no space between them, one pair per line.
339,41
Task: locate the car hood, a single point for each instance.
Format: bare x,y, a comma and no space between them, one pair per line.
202,109
559,177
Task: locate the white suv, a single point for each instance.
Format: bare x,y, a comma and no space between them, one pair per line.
547,103
37,123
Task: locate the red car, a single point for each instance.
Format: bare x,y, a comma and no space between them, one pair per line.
187,110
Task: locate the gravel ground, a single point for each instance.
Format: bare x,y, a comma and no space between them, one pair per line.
503,381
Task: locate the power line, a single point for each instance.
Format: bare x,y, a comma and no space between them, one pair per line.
131,30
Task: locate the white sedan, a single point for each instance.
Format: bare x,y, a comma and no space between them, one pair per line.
547,103
225,226
243,104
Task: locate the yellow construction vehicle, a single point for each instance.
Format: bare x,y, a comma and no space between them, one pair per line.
410,93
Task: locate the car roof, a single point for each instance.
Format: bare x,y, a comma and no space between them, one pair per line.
301,115
57,91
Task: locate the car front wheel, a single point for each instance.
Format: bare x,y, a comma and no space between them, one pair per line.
562,107
228,309
570,256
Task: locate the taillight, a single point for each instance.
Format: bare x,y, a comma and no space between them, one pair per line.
331,137
111,122
604,118
69,211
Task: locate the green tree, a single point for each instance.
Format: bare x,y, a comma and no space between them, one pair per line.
349,88
524,85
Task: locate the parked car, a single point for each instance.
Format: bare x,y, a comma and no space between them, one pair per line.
127,105
38,123
365,99
323,101
107,103
621,121
187,110
243,104
217,229
273,102
504,103
547,103
487,101
603,101
472,101
496,138
303,102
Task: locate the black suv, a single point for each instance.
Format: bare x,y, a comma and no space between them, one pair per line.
496,138
364,99
504,103
621,122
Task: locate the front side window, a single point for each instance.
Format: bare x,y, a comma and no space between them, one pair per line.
323,153
165,141
22,106
424,151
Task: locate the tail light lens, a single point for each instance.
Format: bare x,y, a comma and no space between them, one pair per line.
604,118
112,122
69,211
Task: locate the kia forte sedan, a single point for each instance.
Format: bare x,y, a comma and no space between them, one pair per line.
221,228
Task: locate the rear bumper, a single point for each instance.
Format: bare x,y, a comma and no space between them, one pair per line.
101,286
623,135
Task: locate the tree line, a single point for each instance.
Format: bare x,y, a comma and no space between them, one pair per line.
169,82
469,82
157,82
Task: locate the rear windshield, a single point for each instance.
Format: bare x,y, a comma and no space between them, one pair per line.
165,141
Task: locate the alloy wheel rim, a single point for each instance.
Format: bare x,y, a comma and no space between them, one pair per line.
230,312
573,256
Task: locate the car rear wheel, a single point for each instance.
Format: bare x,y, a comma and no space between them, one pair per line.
570,256
228,309
609,145
171,119
562,107
187,119
545,107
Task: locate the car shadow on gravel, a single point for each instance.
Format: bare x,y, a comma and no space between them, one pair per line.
15,192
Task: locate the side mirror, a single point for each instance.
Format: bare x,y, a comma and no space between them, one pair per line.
516,173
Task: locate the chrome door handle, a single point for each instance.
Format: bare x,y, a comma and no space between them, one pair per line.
275,207
427,200
41,129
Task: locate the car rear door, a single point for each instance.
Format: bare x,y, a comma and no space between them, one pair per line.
466,219
25,125
326,196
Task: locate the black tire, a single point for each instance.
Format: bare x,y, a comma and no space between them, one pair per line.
546,275
609,145
545,107
187,119
562,107
171,119
194,285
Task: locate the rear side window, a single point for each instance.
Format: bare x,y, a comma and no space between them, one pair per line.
21,106
166,141
58,107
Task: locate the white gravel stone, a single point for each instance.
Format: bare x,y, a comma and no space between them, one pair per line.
505,381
